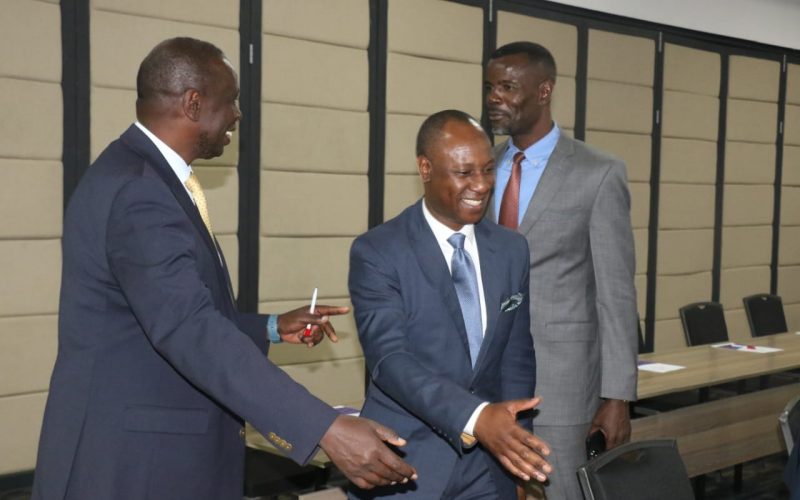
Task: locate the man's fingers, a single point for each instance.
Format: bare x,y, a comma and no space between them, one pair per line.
518,405
331,310
388,435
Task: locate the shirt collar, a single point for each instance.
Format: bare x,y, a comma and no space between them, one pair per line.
542,148
178,165
442,232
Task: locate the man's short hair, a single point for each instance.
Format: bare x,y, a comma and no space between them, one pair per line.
536,54
431,128
175,66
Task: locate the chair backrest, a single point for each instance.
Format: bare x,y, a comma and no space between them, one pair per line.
764,314
642,469
790,423
703,323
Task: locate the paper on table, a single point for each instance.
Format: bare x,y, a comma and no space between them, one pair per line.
659,367
745,348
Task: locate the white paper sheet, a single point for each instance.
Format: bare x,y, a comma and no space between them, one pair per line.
659,367
745,348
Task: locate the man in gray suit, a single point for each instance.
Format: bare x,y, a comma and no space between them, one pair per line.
572,204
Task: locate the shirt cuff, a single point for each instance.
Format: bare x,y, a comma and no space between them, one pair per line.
468,435
272,329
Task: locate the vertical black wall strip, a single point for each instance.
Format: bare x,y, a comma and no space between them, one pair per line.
377,55
581,84
655,190
489,44
776,209
716,268
249,167
75,82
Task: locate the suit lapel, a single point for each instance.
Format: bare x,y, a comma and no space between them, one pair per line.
492,288
434,268
549,184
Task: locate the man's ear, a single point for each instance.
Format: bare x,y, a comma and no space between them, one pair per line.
190,103
546,91
424,166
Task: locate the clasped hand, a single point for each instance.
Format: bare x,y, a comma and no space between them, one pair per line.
292,325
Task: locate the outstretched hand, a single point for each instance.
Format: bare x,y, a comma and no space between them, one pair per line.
357,447
292,324
521,452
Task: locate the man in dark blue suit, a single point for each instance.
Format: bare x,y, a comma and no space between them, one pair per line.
450,359
156,369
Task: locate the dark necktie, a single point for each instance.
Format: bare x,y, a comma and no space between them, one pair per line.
466,283
509,205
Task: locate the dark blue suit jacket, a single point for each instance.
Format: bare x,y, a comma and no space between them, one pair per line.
412,332
156,369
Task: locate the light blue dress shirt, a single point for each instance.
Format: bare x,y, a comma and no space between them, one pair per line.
536,157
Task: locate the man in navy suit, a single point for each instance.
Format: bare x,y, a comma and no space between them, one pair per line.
454,396
156,369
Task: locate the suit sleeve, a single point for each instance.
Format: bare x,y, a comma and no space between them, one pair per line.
255,326
381,319
151,250
613,258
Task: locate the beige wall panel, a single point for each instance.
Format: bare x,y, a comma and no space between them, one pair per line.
674,292
31,197
21,421
792,312
640,203
347,376
634,149
686,206
752,121
400,191
746,246
221,187
124,40
36,26
621,58
640,245
790,206
691,70
618,107
28,346
792,125
669,335
749,163
401,143
294,69
35,136
31,284
685,251
741,282
789,245
559,38
300,204
230,248
688,161
112,112
751,78
747,205
291,267
223,13
347,347
793,83
341,139
736,321
563,104
640,281
424,86
344,22
789,284
790,175
415,27
690,116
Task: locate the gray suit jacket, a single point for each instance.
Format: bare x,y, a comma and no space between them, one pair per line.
583,300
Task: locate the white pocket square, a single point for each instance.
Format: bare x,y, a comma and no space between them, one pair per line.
511,303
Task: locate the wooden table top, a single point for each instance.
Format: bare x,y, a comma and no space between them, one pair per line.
706,365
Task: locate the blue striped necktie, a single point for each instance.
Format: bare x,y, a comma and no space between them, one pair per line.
466,283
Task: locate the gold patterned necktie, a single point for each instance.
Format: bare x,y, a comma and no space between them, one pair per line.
193,185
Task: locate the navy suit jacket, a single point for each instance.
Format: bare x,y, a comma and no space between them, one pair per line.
156,369
415,343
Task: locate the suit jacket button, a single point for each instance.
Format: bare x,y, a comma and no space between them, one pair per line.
241,433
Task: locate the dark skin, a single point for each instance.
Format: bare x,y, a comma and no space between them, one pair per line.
197,124
518,98
458,176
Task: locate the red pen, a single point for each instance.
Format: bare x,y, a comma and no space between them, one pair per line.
751,347
307,332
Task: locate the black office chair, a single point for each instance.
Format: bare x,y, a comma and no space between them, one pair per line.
643,469
765,314
790,423
703,323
